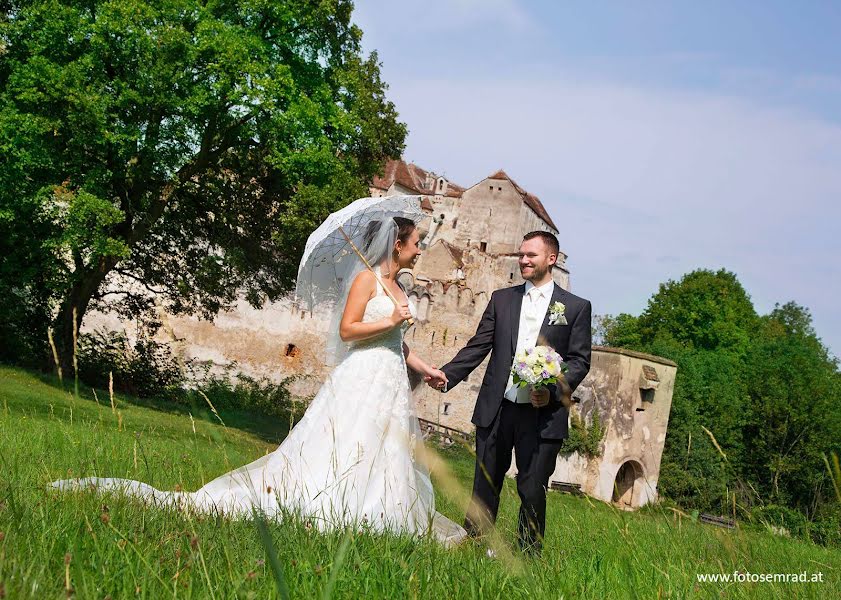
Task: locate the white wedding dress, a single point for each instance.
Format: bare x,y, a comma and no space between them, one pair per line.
348,462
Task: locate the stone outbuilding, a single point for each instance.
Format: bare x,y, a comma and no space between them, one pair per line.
632,394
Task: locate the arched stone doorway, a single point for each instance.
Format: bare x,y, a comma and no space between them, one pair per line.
628,483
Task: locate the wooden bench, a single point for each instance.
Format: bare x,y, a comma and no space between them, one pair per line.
725,522
566,487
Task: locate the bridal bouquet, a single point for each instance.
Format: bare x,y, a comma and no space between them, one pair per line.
538,366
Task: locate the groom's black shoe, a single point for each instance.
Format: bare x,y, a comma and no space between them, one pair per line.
529,533
533,549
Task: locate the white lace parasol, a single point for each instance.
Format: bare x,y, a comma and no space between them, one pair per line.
333,248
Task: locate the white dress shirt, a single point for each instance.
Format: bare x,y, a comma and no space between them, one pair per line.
533,311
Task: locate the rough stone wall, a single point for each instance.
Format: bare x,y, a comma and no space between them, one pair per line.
276,342
490,216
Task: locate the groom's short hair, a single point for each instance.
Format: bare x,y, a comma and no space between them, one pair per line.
548,238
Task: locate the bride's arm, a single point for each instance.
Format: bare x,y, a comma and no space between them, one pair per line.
351,327
416,363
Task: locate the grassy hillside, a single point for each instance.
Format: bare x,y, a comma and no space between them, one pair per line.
91,546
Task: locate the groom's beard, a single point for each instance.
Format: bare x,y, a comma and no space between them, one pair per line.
537,273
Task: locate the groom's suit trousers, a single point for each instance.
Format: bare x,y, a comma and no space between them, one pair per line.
517,427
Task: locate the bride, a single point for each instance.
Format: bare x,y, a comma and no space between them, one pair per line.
350,461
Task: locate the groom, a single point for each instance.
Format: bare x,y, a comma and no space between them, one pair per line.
532,422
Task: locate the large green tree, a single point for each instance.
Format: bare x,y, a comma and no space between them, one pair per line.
181,148
703,322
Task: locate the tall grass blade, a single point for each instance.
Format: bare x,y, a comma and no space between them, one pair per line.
271,554
338,561
55,354
834,473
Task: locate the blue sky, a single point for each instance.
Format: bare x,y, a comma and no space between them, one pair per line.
661,136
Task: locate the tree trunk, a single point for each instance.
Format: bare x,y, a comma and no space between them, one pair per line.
78,297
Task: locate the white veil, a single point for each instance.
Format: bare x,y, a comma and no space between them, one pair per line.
377,245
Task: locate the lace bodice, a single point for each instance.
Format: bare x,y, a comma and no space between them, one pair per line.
381,307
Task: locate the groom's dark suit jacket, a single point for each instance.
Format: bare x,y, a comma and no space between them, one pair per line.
497,334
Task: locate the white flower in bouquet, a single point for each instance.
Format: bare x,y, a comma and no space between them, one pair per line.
538,366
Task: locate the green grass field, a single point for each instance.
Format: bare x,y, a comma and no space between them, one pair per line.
92,546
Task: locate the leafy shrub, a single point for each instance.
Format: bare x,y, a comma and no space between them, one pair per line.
583,439
147,369
233,390
825,529
23,327
778,517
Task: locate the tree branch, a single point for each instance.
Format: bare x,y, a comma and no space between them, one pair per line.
78,262
134,277
184,174
100,296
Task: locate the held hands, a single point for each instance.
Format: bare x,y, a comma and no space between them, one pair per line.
401,313
436,379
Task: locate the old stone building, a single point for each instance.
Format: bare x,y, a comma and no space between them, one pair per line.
470,246
632,393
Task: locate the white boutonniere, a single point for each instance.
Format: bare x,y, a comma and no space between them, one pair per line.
556,314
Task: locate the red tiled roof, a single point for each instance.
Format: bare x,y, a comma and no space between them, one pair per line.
454,190
414,178
532,201
403,176
384,182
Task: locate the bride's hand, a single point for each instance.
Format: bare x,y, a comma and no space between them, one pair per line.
436,378
401,313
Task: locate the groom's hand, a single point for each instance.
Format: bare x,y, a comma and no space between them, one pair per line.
539,397
436,379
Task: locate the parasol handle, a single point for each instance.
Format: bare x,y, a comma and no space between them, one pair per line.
370,268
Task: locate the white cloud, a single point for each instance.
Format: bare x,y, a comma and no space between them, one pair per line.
651,182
